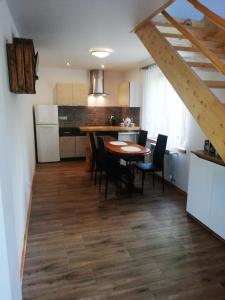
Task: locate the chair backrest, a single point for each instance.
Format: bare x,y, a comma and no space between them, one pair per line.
93,145
142,138
160,149
101,146
102,156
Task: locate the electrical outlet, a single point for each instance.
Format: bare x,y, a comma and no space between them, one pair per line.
63,118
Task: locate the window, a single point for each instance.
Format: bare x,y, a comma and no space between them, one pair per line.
163,111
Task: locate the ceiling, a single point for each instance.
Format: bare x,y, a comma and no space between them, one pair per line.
66,29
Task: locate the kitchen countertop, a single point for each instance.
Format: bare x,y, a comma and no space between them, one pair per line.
108,128
210,157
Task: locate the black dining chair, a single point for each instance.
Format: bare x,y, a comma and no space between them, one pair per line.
94,151
157,164
113,170
142,138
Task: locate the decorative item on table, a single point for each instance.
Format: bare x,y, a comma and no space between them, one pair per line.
206,145
122,124
212,150
209,148
127,122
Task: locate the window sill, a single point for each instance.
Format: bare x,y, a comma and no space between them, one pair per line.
178,149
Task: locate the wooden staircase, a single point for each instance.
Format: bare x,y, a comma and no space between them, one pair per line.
182,49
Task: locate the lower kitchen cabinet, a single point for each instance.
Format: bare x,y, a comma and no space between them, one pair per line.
80,146
199,188
217,210
67,146
72,146
206,194
128,136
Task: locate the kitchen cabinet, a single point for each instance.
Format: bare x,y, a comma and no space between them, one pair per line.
71,93
217,209
129,94
199,188
128,136
72,146
67,146
206,190
80,146
80,94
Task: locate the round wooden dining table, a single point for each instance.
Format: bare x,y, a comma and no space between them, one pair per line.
125,149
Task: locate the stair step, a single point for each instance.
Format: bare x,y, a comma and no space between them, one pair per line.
167,24
219,52
215,84
208,43
174,35
203,33
204,65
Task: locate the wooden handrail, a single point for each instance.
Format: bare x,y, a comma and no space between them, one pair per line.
155,13
207,12
209,54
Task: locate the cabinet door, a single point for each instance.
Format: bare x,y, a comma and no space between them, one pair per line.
124,94
135,94
128,136
67,147
80,146
64,93
200,188
80,94
217,208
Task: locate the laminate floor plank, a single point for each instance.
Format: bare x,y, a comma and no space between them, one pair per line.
141,248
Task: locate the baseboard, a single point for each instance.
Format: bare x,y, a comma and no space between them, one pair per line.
179,190
26,231
206,227
173,185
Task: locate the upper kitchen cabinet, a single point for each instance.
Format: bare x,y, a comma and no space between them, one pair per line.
129,94
64,93
80,94
71,93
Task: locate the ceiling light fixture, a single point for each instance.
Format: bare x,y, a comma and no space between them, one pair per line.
100,52
102,66
67,63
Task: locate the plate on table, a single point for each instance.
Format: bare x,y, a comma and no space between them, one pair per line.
118,143
131,149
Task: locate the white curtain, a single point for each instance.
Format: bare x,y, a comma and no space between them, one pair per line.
163,111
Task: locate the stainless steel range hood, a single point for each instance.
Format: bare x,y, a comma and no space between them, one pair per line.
97,83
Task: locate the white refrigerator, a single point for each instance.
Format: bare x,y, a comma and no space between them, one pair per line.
47,133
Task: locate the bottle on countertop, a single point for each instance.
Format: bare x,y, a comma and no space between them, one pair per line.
112,121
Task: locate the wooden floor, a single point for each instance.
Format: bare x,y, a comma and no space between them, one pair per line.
142,248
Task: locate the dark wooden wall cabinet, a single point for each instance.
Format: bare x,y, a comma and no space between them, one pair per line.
22,65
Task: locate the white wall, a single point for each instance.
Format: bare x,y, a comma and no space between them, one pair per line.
48,77
195,136
17,162
5,288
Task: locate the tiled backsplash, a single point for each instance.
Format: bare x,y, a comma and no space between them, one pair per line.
84,115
